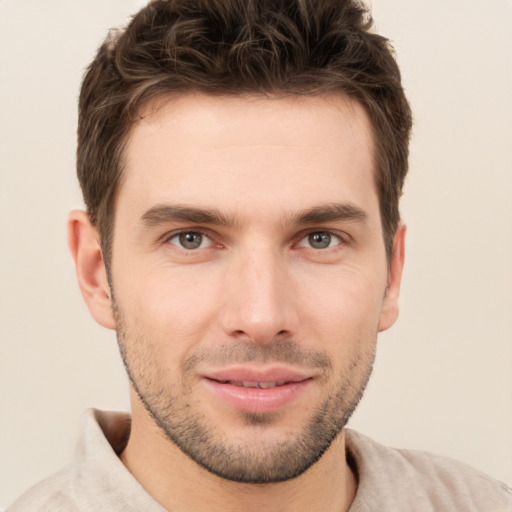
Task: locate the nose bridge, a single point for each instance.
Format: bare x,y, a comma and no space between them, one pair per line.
258,300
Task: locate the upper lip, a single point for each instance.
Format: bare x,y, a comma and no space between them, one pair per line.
255,374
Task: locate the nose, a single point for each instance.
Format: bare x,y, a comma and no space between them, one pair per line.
259,302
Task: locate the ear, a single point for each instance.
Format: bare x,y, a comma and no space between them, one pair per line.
389,313
84,244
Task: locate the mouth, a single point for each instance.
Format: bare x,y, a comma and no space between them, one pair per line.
249,384
257,391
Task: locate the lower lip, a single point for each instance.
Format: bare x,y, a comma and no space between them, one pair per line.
258,400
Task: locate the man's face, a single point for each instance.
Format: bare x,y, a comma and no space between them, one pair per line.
249,276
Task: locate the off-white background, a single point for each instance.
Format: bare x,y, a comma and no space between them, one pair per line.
443,379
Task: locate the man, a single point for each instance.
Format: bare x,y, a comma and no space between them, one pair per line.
241,163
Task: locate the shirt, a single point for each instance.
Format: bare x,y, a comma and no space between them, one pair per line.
389,479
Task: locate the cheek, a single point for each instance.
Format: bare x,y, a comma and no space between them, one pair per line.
347,307
170,308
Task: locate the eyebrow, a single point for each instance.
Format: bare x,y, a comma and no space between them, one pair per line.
166,213
329,213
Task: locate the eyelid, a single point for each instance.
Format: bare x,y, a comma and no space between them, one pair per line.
170,235
343,237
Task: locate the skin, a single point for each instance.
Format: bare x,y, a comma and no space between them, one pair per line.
257,293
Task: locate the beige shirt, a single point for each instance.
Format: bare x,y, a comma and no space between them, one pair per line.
389,480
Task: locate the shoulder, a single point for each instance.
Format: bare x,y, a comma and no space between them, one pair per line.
52,494
416,480
96,479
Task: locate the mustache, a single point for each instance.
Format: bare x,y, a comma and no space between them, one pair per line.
275,351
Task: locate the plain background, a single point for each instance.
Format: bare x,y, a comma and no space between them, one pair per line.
443,378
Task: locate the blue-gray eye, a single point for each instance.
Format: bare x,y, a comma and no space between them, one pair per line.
320,240
190,240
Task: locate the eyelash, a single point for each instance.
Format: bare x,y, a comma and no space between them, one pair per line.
341,238
168,239
332,235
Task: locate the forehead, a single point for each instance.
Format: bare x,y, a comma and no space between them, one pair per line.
236,151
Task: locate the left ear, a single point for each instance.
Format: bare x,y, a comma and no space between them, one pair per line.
389,313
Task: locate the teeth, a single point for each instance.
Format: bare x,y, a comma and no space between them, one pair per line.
266,385
261,385
247,384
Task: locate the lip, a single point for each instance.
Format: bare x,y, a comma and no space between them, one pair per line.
255,399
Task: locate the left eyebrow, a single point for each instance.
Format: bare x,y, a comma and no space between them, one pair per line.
329,213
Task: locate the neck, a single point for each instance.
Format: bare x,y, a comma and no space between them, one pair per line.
181,485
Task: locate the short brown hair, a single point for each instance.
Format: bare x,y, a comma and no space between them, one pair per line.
233,47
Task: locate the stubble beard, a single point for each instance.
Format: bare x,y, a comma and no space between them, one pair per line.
262,463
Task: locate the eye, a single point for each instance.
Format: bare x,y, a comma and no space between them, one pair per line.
320,240
190,240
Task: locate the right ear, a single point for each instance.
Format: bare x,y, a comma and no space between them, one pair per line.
84,244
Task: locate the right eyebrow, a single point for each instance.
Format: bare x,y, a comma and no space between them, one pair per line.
165,213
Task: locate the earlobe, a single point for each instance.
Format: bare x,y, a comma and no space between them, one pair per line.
390,309
84,244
